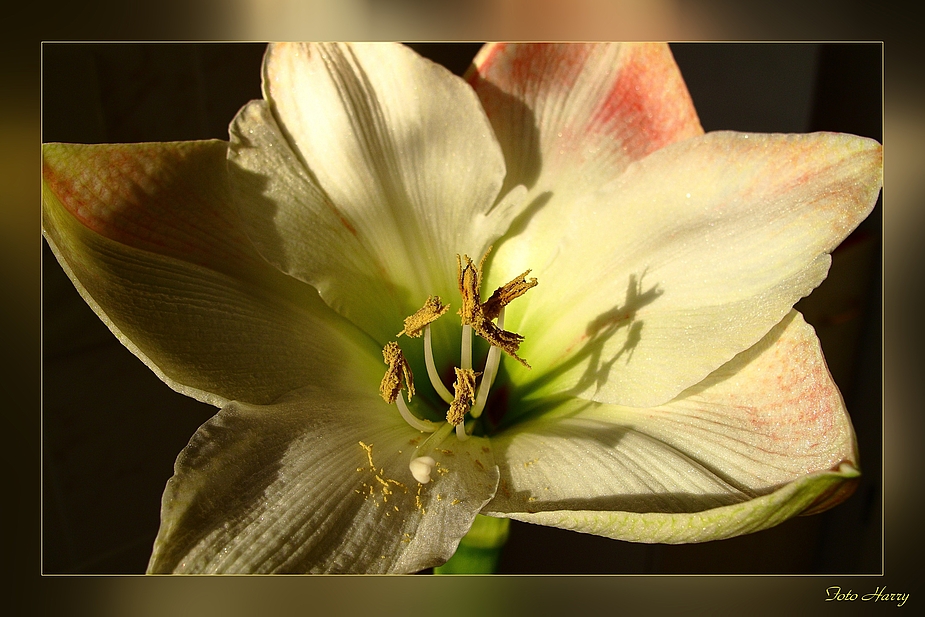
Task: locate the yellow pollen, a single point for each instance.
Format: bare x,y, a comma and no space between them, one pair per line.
368,448
397,376
465,395
507,293
414,324
479,316
470,280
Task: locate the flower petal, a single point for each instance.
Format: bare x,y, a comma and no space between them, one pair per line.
147,234
687,259
383,160
714,524
317,482
571,117
584,108
768,430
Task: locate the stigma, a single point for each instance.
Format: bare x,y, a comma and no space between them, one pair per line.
471,388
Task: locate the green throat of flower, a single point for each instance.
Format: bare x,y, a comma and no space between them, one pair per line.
471,388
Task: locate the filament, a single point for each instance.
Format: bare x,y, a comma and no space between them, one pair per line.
435,380
422,425
466,359
488,376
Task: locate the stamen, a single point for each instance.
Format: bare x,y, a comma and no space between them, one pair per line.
465,396
476,317
472,311
397,376
433,308
435,380
491,369
419,423
507,293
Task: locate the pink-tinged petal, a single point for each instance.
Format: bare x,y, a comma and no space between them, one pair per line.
767,416
570,117
687,259
317,482
148,235
768,429
382,161
166,198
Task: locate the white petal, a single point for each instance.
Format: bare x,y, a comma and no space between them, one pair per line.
148,236
380,161
570,118
297,228
289,488
689,258
770,417
714,524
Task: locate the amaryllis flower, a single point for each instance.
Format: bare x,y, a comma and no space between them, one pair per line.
540,293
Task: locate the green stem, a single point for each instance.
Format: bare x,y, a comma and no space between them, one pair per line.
480,549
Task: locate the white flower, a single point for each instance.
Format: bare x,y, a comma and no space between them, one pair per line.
674,394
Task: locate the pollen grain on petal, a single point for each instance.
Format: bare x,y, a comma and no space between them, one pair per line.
465,395
433,309
397,376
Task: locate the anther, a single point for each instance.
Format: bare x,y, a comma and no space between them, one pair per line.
506,293
472,311
414,324
397,376
465,396
470,278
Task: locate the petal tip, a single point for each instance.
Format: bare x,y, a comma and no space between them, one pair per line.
837,492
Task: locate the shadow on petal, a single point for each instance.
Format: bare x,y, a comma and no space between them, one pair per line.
594,343
505,112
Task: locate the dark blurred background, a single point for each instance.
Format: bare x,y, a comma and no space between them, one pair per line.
111,429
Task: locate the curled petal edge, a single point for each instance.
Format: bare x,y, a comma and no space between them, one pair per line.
810,494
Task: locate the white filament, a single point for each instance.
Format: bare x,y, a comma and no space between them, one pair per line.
422,425
435,380
461,433
466,360
488,377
